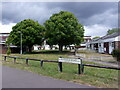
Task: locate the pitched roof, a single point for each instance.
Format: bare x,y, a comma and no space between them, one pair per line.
106,37
111,35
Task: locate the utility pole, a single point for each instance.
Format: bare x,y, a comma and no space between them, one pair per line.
21,42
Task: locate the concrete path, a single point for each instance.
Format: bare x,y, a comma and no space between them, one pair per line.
15,78
90,60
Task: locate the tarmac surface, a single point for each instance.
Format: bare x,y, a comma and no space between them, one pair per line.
15,78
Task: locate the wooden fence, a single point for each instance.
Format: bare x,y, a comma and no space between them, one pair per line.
41,62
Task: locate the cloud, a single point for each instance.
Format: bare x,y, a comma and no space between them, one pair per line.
6,28
38,12
15,12
96,30
95,16
107,18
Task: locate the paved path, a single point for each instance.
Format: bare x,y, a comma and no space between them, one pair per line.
15,78
100,62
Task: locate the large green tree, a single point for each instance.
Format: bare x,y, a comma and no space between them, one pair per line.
63,28
32,33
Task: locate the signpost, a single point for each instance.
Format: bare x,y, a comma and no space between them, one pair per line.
75,61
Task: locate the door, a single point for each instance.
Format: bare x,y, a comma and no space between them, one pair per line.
106,47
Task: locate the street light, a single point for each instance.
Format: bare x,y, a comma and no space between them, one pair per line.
21,42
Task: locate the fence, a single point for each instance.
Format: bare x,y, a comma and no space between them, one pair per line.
41,63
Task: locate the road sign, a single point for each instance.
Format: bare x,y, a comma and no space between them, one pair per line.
68,60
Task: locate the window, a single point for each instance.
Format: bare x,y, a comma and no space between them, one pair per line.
112,44
99,44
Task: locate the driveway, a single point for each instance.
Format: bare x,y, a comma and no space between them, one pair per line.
15,78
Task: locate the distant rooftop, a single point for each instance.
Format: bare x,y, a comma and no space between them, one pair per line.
111,35
4,33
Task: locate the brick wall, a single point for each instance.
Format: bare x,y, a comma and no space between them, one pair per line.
3,49
117,44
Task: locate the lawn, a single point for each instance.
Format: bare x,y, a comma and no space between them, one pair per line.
105,78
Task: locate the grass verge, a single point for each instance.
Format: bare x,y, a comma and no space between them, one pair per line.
99,77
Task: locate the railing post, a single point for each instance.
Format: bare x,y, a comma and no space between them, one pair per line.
79,69
60,66
5,58
82,68
27,61
14,59
41,63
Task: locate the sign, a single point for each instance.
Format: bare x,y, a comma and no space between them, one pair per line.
76,61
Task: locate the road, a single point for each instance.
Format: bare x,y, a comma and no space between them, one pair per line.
15,78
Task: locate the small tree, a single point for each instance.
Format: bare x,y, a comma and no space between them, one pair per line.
8,51
32,33
96,37
116,54
111,31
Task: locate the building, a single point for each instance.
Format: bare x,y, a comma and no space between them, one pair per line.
83,44
105,44
87,38
3,37
3,46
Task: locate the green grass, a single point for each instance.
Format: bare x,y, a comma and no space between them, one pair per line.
105,78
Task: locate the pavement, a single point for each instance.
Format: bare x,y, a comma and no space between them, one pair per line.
90,60
15,78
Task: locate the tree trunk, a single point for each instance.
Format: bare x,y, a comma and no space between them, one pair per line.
30,49
60,48
65,47
51,47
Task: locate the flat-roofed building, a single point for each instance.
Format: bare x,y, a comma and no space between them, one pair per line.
3,46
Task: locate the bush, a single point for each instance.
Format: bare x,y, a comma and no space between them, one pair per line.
8,51
116,54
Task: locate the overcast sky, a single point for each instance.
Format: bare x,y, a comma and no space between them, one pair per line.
97,17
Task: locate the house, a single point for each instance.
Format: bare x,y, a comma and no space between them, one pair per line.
83,44
3,37
3,46
87,38
105,44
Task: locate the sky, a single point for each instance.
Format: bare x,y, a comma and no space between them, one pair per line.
96,17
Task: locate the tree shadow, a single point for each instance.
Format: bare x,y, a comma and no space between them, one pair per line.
48,52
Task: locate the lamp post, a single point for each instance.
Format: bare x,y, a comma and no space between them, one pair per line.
21,42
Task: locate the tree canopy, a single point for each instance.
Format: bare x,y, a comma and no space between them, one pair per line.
63,28
96,37
111,31
32,33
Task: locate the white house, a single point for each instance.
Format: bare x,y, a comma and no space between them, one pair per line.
105,44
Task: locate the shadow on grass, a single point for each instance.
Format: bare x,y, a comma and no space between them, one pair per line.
49,52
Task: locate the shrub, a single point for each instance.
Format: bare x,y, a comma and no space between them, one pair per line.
8,51
116,54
